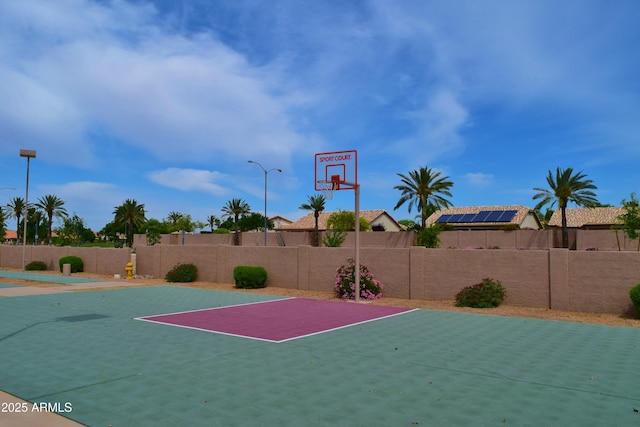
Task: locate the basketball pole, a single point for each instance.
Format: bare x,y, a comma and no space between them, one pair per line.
357,236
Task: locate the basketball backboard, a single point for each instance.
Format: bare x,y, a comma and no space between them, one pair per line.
338,167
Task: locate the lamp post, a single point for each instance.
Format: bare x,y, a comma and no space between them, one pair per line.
266,172
29,154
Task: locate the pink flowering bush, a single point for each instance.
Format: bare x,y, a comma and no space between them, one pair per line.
370,288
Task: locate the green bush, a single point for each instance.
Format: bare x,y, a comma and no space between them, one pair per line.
334,238
488,293
77,265
430,236
248,277
182,273
36,266
634,294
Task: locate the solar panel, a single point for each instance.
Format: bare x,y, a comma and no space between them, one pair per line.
493,216
481,216
467,217
444,218
456,218
507,216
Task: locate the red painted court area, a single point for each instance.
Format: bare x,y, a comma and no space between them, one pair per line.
278,320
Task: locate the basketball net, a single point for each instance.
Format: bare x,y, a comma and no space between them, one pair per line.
327,188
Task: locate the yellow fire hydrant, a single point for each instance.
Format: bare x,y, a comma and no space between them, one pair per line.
129,270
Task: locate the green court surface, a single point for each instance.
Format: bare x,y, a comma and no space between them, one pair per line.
8,285
49,278
428,368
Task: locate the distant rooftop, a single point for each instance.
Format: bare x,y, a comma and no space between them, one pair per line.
581,217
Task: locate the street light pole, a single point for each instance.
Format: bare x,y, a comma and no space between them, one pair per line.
266,172
29,154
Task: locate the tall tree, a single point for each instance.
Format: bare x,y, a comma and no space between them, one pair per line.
3,224
236,208
315,204
52,206
213,221
130,214
174,217
16,209
426,190
564,187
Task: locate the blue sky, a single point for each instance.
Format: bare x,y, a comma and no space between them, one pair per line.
165,101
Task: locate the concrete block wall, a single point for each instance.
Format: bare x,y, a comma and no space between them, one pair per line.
96,260
591,281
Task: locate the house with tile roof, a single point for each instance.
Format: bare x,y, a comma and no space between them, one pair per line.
378,217
10,236
487,217
279,221
600,218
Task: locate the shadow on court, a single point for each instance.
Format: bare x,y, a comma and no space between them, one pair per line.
418,368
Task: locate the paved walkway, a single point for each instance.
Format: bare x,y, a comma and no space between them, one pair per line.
18,291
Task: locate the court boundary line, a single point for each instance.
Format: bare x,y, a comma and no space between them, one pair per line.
147,319
211,308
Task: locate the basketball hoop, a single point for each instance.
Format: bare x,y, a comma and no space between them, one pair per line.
327,188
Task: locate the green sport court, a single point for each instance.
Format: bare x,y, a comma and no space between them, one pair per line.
88,350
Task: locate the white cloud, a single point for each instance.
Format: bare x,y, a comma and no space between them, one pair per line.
438,129
107,71
93,201
479,180
192,180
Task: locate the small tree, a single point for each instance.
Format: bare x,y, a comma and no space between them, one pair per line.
631,218
315,204
430,236
346,221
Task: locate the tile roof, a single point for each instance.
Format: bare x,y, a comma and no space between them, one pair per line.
308,221
521,214
11,235
579,217
281,219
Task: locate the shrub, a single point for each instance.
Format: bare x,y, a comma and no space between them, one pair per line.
430,236
249,277
36,265
334,238
182,273
488,293
370,288
634,294
77,265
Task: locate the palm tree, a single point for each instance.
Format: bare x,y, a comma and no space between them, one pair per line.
130,214
425,189
236,208
174,217
3,225
566,187
213,221
52,206
16,208
315,204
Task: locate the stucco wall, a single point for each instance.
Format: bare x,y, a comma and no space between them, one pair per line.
96,260
487,239
557,278
592,281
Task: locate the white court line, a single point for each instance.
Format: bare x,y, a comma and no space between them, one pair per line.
210,308
146,319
